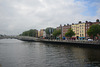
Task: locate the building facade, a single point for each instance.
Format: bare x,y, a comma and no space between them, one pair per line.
65,29
41,33
87,26
79,30
38,33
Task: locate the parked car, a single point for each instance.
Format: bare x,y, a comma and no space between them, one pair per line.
90,39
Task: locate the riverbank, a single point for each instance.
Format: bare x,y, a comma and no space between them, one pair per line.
95,44
71,42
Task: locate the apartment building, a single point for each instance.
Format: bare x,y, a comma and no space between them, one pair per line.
79,30
65,29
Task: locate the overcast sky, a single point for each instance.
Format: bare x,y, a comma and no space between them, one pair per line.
17,16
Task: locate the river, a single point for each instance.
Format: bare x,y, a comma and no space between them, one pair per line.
16,53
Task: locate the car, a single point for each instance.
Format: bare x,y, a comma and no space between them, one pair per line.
90,39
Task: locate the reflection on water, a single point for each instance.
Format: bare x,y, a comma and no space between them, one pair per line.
15,53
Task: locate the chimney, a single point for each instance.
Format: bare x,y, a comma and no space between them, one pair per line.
97,20
67,24
72,23
79,21
86,21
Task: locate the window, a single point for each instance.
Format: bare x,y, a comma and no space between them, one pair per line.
80,35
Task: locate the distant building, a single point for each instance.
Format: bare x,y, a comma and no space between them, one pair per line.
38,33
42,33
49,32
79,30
87,26
65,29
75,28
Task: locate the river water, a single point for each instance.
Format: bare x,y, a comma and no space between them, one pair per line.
16,53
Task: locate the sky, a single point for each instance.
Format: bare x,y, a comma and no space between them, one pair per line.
17,16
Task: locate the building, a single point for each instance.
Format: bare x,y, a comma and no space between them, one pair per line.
41,33
49,32
38,33
74,27
79,30
87,26
44,33
65,29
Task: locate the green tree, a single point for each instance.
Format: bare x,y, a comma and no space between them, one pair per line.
56,33
70,33
25,33
94,30
31,32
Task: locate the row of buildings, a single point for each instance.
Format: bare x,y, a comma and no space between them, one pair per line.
79,28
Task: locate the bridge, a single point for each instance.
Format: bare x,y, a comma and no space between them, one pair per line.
23,38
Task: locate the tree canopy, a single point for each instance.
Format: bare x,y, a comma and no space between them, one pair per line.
70,33
31,32
94,30
56,33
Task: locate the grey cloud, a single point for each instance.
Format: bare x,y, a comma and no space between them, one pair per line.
17,16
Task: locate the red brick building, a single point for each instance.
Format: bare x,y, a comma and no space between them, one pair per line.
87,26
65,28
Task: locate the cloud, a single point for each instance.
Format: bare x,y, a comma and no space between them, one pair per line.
17,16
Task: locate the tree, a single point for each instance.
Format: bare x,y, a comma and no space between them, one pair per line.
94,30
70,33
56,33
31,32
